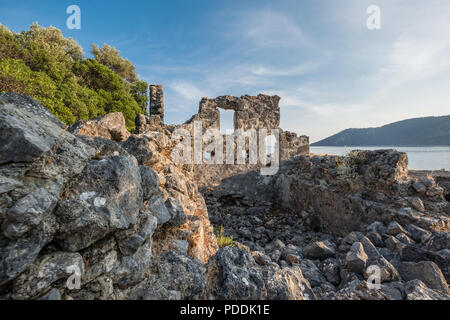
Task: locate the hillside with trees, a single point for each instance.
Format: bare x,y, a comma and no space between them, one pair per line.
428,131
45,65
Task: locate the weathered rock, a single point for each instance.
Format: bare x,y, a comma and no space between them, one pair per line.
375,238
393,244
150,182
52,295
28,213
417,290
377,227
414,253
7,184
178,216
387,270
131,244
233,274
312,273
426,271
394,290
157,208
27,124
133,269
111,126
331,269
394,228
319,250
104,198
419,234
45,271
361,290
356,258
439,241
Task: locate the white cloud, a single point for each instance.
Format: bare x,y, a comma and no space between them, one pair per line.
301,69
267,28
188,90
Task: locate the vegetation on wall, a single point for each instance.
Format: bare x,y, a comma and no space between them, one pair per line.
52,69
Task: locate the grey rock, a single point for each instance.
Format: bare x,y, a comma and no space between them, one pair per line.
377,227
393,244
426,271
375,238
419,187
172,276
150,182
394,290
261,258
176,211
156,208
356,258
403,238
388,271
27,125
180,246
416,254
417,233
233,274
331,269
131,244
52,295
28,213
131,270
45,271
312,273
394,228
417,290
106,197
439,241
111,126
319,250
7,184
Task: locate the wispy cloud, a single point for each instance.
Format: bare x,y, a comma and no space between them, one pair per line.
268,28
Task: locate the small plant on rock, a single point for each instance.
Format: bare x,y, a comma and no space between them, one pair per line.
222,240
346,166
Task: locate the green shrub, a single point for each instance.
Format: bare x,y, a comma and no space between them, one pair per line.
222,240
347,165
43,64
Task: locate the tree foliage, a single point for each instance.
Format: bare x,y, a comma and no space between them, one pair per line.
45,65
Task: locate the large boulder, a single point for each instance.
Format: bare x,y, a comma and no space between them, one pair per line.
417,290
104,198
426,271
173,276
319,250
111,126
45,271
233,274
38,157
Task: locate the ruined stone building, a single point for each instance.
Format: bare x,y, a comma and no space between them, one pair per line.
250,112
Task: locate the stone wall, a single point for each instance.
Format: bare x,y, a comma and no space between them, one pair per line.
157,101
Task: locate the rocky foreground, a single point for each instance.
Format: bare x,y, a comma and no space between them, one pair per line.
92,212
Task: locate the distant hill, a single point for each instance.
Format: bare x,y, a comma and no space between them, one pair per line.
429,131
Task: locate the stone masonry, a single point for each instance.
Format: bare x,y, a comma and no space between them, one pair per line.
157,101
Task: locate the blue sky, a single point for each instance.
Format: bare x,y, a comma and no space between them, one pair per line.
330,70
